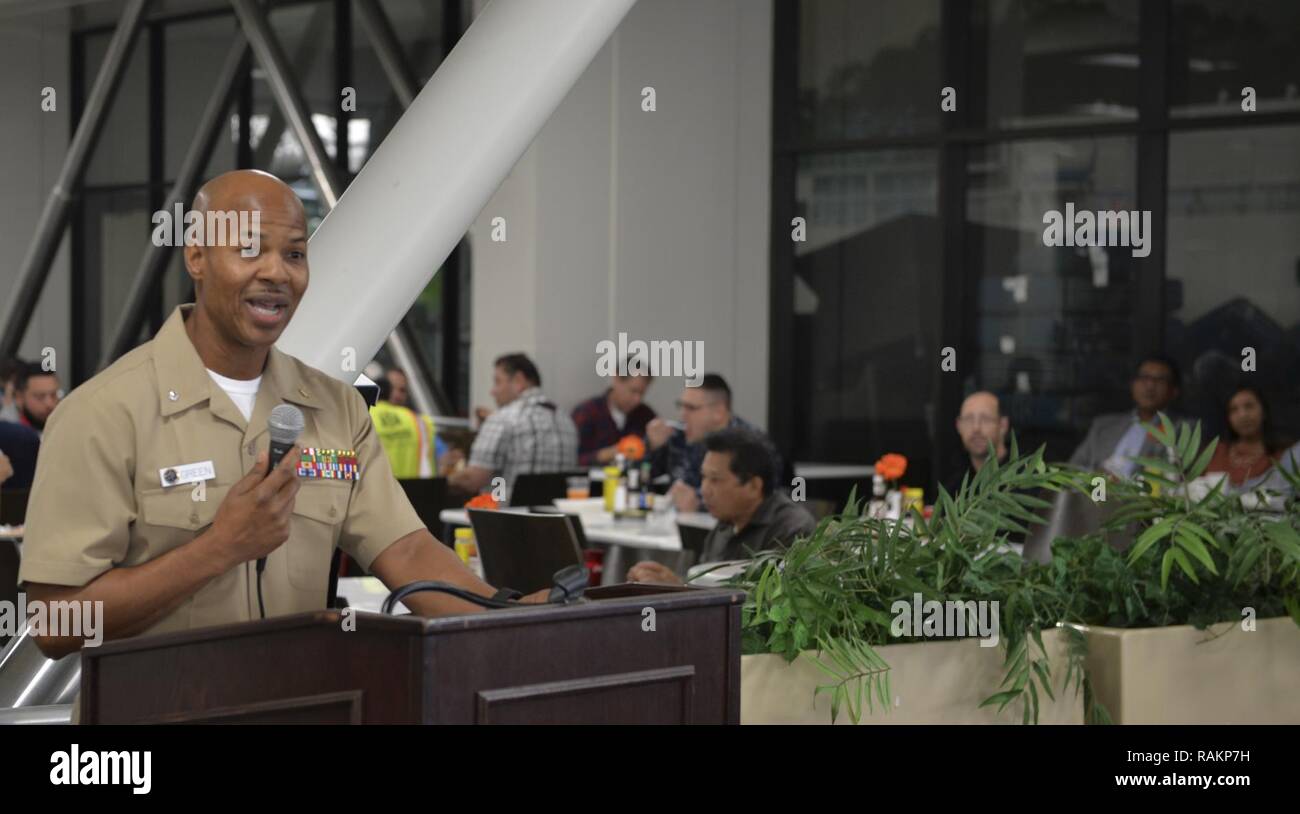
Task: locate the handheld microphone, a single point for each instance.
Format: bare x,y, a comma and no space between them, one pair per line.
284,426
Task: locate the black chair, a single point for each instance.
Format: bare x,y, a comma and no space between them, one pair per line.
332,598
429,497
692,545
541,488
13,507
1072,514
523,551
8,579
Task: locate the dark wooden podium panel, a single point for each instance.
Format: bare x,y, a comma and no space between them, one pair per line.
588,663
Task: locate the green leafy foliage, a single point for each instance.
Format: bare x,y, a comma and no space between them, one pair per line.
1192,560
832,592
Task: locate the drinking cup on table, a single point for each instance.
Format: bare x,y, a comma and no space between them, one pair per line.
579,488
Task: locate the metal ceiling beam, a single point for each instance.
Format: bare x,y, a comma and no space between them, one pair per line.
270,55
387,48
36,263
154,263
289,99
304,61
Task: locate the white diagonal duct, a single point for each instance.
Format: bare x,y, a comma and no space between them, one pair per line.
420,191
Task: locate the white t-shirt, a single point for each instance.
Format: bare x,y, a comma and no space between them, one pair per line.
620,417
242,393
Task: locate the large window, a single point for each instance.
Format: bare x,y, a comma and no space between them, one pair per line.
865,297
867,69
925,227
168,82
1220,47
1234,266
1056,62
1054,324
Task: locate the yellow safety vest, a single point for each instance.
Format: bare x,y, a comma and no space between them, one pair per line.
407,440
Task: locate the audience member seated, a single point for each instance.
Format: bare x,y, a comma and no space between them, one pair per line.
1248,449
752,515
680,453
1115,440
602,420
36,394
1272,480
19,445
9,370
410,441
399,388
979,424
526,434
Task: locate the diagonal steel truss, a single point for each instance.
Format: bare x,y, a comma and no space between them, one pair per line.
255,34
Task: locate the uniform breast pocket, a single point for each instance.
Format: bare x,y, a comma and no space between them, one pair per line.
171,517
318,512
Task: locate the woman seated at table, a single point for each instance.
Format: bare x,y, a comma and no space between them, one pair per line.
1248,448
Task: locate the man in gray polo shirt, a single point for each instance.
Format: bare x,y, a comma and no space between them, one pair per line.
752,516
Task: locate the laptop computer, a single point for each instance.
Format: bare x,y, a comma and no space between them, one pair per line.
523,551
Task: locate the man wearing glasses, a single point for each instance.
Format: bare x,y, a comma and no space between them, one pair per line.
680,452
1116,440
982,427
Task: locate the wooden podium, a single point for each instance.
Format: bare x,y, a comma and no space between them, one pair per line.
592,662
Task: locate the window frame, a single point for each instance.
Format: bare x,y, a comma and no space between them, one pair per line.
957,136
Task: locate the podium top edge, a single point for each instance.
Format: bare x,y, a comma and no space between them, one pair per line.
371,623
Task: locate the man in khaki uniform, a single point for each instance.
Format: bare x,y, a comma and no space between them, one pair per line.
152,492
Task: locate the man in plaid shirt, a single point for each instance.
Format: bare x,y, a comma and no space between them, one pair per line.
527,434
603,420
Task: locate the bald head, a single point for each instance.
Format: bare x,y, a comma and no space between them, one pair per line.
980,423
246,289
252,191
981,402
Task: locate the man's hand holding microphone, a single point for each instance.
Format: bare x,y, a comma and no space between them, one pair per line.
253,519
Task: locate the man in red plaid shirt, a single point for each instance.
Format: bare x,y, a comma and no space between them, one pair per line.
602,420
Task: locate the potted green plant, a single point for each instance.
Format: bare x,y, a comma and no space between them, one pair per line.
831,623
1196,620
1199,621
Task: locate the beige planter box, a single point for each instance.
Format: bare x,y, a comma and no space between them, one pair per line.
1181,675
939,682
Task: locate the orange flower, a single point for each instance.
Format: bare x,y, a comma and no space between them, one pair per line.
631,447
891,466
483,501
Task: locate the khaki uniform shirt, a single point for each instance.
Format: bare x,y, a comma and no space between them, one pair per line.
98,500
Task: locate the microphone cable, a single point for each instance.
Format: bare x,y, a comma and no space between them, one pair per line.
261,606
569,584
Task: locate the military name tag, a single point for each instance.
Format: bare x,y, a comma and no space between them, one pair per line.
334,464
187,473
